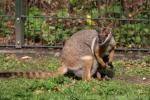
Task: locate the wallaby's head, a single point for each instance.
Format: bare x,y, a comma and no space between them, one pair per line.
105,33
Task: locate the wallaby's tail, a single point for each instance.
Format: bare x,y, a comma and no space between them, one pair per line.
59,71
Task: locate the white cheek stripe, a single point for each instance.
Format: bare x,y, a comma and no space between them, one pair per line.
107,39
93,44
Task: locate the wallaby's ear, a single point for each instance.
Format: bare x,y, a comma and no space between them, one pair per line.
111,24
110,27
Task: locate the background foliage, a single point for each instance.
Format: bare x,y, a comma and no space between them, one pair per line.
53,21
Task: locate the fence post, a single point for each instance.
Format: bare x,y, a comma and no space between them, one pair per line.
19,23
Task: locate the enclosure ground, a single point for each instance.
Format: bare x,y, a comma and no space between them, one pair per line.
131,81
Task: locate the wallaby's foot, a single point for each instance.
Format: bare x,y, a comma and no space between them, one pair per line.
99,77
106,78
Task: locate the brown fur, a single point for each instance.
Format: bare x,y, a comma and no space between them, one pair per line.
78,56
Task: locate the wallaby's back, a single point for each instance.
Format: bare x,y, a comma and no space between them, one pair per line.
77,46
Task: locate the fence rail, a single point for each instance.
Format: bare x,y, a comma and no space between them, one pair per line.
31,24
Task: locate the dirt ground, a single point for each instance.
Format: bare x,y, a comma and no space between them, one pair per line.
57,52
138,79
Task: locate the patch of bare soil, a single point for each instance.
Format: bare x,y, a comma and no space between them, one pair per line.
138,79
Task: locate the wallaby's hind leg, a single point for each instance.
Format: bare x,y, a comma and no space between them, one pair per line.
87,64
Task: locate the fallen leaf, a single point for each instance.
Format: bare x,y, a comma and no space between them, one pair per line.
26,57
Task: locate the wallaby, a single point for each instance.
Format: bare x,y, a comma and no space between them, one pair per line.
81,55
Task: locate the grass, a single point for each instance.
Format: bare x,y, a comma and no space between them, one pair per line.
66,88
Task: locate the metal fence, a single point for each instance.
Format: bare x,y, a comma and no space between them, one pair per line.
48,23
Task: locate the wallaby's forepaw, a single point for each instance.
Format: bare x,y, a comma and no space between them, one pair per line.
106,78
98,76
104,66
109,65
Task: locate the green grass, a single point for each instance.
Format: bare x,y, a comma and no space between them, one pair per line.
65,88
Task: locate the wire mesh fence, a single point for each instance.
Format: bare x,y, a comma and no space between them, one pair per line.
48,23
7,23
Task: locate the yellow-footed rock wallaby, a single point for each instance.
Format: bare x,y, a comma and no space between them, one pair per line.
81,55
